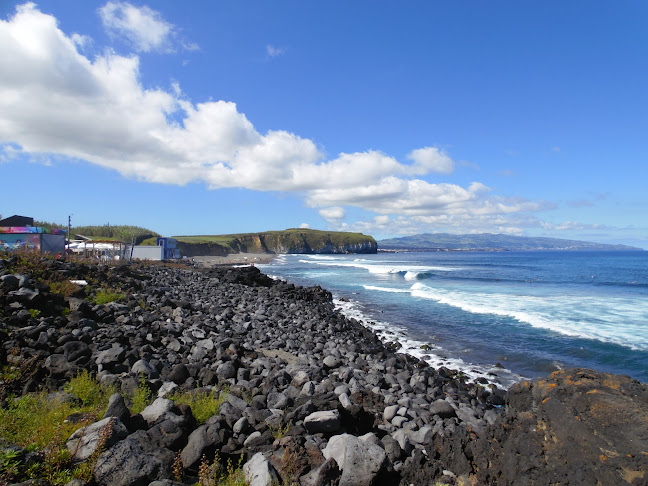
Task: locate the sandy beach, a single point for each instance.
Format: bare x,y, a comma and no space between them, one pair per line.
235,258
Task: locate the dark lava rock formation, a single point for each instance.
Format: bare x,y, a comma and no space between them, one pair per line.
352,410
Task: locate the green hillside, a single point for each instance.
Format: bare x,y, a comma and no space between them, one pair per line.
488,241
125,233
292,240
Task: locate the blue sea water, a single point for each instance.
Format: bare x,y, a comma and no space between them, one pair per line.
511,314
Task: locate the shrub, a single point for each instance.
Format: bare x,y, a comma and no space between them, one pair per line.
221,475
280,431
142,397
36,422
204,404
64,288
106,296
91,393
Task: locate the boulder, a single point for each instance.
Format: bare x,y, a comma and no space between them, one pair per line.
111,356
85,441
143,367
259,472
158,409
443,409
326,421
133,461
331,362
362,461
180,373
117,407
226,370
202,440
325,474
59,366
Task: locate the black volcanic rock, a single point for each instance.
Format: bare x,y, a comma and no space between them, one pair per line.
576,427
286,355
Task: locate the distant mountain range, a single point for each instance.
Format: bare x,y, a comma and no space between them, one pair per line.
491,242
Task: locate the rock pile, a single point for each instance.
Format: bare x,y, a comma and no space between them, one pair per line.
313,398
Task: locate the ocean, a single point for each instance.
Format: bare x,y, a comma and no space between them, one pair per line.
503,315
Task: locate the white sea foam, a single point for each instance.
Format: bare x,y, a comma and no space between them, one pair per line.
409,272
387,289
434,355
576,316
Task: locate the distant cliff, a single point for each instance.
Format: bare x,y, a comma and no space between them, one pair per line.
304,241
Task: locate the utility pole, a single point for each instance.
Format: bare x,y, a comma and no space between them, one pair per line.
69,231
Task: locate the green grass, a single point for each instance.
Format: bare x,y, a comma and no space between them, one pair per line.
280,431
91,393
203,404
142,397
106,296
36,423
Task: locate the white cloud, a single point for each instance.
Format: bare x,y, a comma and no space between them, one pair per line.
431,159
55,100
272,51
82,41
571,226
332,214
144,27
304,226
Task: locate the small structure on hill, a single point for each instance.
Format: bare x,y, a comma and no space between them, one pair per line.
101,249
25,236
16,220
164,250
169,245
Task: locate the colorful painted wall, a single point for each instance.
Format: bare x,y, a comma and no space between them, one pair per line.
20,241
32,238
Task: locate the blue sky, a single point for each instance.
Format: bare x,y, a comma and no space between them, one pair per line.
526,118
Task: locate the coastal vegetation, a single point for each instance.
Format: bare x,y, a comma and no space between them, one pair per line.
40,423
125,233
294,240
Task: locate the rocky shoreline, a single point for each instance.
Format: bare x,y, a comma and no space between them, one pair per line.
350,409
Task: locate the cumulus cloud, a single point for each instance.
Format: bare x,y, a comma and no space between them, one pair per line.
304,226
332,214
55,100
431,159
142,26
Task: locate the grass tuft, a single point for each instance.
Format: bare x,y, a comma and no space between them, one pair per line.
36,423
106,296
91,393
204,404
142,397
